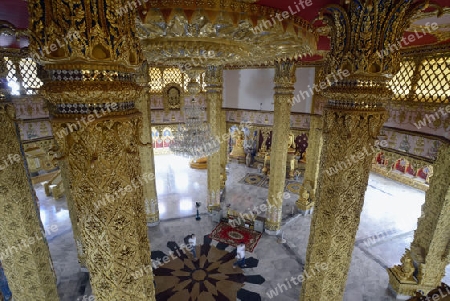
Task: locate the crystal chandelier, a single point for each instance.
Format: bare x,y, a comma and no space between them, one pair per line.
193,138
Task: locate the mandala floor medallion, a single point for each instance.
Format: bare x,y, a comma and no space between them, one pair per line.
210,277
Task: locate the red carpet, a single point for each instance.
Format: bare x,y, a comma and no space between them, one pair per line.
233,236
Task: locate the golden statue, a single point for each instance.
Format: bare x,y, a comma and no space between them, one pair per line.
405,271
201,163
238,147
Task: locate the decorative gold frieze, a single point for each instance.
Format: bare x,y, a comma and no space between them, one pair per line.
188,33
81,34
405,168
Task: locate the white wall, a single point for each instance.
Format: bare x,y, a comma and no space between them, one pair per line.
252,89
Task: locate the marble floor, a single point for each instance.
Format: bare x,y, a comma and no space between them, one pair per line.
387,226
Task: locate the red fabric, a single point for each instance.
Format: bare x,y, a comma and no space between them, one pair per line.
233,236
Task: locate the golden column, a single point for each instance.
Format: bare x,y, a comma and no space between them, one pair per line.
358,69
25,254
284,92
430,249
214,86
73,215
146,151
307,193
223,149
92,57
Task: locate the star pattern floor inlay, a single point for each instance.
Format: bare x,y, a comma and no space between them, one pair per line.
210,277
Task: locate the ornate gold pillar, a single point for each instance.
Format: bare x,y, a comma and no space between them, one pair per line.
357,70
430,249
91,89
73,215
223,149
24,252
284,93
146,153
305,202
214,86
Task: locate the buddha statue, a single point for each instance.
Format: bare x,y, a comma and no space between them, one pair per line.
238,147
291,144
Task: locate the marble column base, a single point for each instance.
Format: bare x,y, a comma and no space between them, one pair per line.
272,232
84,269
397,295
306,212
153,224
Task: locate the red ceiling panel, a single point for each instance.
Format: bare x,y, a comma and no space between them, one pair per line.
14,11
306,9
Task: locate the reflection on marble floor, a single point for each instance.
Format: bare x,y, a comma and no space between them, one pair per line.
387,226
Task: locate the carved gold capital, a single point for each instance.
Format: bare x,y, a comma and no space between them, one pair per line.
84,32
365,36
284,75
214,78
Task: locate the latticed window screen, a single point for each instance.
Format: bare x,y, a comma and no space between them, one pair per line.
28,70
172,75
159,77
11,70
401,82
434,83
155,80
433,80
185,82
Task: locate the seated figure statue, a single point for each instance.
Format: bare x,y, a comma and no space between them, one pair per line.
238,147
405,271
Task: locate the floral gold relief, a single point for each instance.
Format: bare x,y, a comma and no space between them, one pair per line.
146,152
28,267
283,97
106,189
361,38
81,34
339,198
214,86
309,185
92,59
